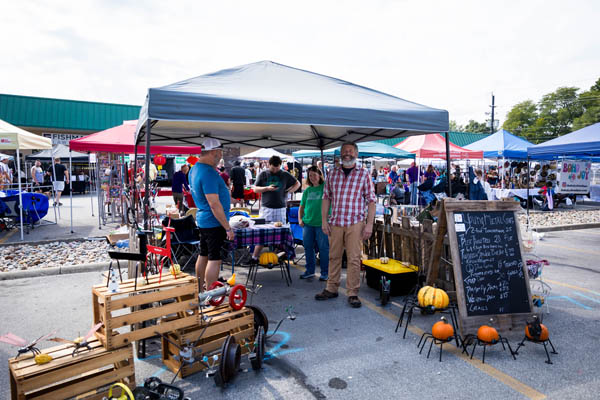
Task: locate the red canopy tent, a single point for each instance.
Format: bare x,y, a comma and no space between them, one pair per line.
120,139
434,146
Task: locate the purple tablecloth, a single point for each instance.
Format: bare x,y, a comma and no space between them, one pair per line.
266,235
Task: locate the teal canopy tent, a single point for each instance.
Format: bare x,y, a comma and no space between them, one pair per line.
365,149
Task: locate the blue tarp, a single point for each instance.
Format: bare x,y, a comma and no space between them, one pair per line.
584,143
266,104
366,149
502,144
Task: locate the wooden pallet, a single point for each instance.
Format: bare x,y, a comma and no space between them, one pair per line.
147,308
225,321
88,375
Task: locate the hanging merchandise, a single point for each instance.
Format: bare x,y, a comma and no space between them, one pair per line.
159,161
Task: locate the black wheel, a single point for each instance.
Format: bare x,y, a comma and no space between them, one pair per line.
231,354
259,350
260,319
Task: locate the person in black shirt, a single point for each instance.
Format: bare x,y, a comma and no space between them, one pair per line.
238,180
61,177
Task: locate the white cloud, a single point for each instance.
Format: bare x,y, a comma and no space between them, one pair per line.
443,54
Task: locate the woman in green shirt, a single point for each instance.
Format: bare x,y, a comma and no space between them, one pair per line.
309,215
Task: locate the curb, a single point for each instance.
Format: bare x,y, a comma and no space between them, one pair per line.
46,241
565,227
67,269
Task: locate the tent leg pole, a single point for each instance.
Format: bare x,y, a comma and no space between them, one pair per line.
323,164
100,210
71,187
527,192
147,178
20,195
90,177
448,186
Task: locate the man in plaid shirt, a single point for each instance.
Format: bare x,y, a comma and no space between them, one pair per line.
349,192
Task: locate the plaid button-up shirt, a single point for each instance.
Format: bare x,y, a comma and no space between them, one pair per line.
349,195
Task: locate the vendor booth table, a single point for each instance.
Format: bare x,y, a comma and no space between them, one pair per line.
264,235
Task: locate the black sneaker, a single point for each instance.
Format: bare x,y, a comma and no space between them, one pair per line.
306,276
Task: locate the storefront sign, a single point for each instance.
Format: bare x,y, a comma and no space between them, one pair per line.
574,177
179,161
61,138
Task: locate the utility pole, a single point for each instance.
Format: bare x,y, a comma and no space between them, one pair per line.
492,121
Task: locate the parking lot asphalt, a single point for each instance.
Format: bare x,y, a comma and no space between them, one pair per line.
333,351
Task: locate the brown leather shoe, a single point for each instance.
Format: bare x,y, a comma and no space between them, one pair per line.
354,301
325,295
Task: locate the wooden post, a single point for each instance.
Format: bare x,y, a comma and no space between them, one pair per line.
438,247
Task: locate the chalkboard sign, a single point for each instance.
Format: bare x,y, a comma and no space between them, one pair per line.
490,274
491,263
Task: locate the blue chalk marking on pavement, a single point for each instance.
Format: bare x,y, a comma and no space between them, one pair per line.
285,337
159,372
587,297
571,300
148,358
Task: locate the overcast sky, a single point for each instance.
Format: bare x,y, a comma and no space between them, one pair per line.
444,54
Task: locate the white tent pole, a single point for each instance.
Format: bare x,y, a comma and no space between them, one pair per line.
53,177
20,196
71,187
98,192
90,178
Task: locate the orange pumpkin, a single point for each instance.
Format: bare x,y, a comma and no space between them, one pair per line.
442,330
538,330
488,334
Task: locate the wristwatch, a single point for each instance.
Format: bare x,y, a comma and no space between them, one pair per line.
229,230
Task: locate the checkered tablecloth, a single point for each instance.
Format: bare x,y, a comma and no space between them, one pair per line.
266,235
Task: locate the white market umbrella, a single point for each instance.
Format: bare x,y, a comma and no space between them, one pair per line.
15,138
264,154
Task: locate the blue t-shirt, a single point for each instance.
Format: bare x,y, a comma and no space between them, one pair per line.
204,179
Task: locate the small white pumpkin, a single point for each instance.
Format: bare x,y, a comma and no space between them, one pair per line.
384,260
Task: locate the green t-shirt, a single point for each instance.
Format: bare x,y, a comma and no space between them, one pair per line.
312,198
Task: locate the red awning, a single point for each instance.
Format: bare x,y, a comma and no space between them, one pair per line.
120,139
434,146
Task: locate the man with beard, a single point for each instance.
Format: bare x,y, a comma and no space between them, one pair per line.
348,192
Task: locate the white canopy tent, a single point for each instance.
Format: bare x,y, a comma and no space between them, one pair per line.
264,154
15,138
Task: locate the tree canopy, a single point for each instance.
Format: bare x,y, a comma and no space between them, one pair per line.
557,113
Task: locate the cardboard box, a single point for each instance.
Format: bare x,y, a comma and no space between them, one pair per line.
113,238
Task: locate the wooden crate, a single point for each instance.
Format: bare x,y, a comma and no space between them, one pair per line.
172,297
88,375
225,321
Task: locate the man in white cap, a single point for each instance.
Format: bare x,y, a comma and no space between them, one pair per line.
213,201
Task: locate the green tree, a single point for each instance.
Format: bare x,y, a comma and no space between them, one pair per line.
521,119
558,110
475,127
590,101
454,126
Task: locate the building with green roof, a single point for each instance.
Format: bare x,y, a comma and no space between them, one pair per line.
67,118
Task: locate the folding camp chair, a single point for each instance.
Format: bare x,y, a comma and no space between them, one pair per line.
185,240
297,231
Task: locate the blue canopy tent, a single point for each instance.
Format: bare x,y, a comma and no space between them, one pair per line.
502,144
584,143
366,149
266,104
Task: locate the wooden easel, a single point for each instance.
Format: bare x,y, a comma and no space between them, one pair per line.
503,322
